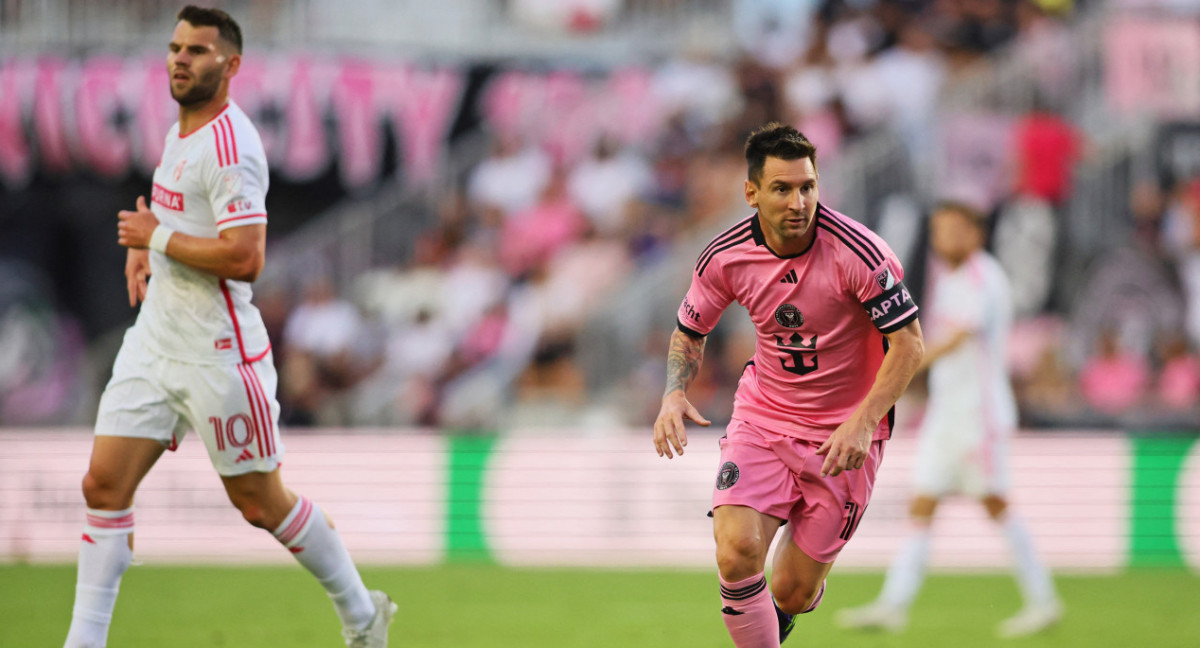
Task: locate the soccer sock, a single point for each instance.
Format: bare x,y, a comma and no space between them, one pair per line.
749,613
907,571
817,601
1033,578
104,555
318,547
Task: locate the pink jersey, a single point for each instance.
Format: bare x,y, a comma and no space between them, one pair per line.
820,317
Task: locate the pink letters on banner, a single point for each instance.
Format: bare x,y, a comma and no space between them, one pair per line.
421,103
105,149
48,118
57,115
16,158
360,154
307,150
155,110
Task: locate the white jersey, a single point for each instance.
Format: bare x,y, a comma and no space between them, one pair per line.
969,392
211,179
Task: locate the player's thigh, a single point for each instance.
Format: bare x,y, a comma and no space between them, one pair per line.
831,508
752,475
939,463
234,412
136,402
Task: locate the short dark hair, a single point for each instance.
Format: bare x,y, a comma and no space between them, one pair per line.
226,26
964,209
776,140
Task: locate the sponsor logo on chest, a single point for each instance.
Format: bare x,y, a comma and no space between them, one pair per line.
172,200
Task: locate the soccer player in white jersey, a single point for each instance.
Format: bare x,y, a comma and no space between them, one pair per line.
198,356
969,418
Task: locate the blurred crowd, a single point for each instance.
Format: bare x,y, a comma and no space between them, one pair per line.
482,325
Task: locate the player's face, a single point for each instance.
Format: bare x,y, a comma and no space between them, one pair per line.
786,199
952,236
197,63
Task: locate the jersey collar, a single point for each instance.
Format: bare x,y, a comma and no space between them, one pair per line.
759,239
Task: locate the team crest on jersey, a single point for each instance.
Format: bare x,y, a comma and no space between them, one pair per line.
728,476
789,316
179,169
232,182
885,279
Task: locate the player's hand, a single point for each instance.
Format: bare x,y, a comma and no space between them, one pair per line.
135,227
137,271
848,447
668,428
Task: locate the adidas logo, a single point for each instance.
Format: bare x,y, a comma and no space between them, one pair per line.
244,456
790,277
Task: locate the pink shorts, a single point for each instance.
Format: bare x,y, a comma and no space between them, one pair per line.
780,476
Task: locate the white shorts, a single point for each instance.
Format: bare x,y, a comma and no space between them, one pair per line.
231,407
961,459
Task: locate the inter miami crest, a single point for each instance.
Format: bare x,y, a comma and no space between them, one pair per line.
728,476
789,316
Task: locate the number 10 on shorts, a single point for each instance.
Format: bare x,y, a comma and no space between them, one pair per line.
238,430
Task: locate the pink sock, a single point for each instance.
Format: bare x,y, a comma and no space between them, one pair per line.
749,613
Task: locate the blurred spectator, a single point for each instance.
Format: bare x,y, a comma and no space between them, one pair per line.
530,238
606,182
511,178
775,32
1179,381
1113,381
1047,148
324,342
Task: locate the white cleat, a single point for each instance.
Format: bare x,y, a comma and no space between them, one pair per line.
1031,620
874,616
375,635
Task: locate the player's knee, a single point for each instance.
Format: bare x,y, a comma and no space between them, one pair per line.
253,513
101,493
740,557
996,506
793,596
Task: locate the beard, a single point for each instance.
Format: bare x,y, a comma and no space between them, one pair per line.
203,89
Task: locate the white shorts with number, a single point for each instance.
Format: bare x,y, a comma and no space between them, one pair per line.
231,407
961,455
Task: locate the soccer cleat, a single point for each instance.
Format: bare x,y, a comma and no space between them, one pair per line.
786,622
875,616
375,635
1031,620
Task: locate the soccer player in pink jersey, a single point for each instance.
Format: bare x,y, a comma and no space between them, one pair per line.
198,356
969,419
837,342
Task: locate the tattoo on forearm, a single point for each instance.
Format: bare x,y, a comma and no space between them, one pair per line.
683,360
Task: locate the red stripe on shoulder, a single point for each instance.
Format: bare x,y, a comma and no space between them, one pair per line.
232,139
217,143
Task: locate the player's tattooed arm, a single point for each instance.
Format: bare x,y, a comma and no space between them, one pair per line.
683,363
683,360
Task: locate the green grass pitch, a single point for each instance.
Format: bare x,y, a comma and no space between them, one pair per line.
465,606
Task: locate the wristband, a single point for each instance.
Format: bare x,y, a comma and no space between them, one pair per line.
158,240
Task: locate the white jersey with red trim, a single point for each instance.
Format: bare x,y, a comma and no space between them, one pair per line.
969,387
209,180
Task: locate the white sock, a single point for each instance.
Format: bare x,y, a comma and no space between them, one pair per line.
1036,586
104,555
907,571
318,547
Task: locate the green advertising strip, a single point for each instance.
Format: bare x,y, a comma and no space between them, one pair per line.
466,540
1157,464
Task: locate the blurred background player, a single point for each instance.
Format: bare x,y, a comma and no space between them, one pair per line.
814,407
969,418
198,356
